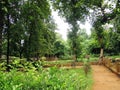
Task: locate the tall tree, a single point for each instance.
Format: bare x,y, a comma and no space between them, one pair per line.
11,17
35,16
70,10
116,23
7,28
102,17
2,20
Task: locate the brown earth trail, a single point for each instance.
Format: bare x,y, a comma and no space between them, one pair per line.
104,79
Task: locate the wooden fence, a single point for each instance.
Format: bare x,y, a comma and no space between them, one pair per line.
112,64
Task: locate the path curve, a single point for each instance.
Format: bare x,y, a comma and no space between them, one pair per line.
104,79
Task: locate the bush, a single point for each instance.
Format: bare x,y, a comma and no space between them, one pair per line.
45,79
66,57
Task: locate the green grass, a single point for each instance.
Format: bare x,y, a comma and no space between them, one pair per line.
58,62
46,79
113,57
69,61
94,59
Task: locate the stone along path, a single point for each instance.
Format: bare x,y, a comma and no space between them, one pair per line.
104,79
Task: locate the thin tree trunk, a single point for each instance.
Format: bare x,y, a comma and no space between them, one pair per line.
37,56
1,41
8,41
101,52
20,53
1,29
75,54
20,50
29,46
101,56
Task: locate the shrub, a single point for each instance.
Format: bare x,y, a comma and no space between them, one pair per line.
45,79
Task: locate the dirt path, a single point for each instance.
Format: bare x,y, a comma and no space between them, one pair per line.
104,79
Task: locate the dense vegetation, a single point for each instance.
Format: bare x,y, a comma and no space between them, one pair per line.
28,28
28,32
50,79
31,76
99,13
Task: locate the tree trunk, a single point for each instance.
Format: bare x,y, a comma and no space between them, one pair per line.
75,54
20,50
101,56
29,46
8,41
101,52
20,53
0,40
37,56
1,29
8,33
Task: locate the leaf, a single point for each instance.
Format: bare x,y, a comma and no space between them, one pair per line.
5,9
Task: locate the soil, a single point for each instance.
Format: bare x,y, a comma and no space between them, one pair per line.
104,79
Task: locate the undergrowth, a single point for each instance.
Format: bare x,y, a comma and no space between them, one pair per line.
35,77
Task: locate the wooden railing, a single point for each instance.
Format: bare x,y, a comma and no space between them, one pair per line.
112,64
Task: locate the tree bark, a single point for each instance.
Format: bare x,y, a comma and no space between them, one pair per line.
101,52
29,47
37,56
8,34
8,41
20,52
1,29
101,56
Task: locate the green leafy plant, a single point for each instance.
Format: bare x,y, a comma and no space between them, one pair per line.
45,79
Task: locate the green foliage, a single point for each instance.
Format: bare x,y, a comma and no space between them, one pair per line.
46,79
70,10
83,40
66,57
28,30
38,32
57,62
94,46
59,49
87,67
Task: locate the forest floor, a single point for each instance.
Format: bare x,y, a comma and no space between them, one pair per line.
104,79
